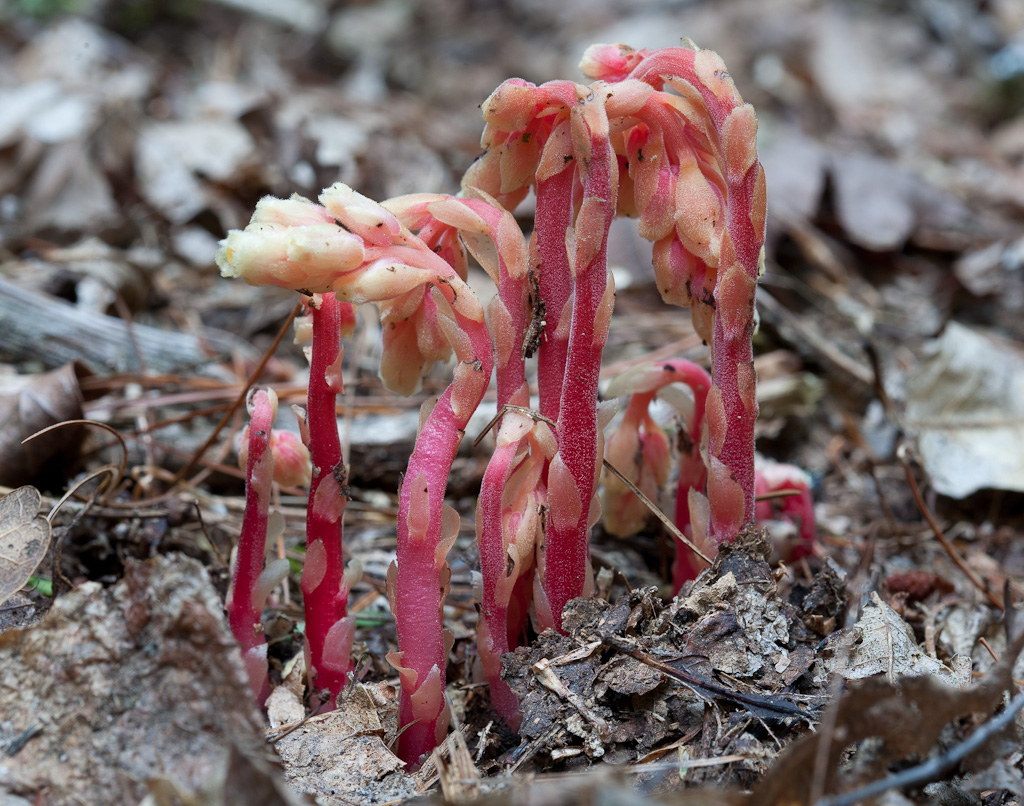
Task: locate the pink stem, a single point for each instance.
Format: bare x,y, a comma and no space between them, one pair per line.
325,592
566,542
419,588
493,635
553,219
243,611
731,423
693,475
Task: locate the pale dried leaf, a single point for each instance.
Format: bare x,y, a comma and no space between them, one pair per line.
172,157
796,165
873,201
966,404
887,647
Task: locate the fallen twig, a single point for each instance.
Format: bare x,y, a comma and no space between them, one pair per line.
933,768
755,704
904,456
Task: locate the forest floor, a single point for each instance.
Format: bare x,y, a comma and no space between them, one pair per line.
890,359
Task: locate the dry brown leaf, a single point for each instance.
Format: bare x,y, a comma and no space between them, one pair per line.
29,404
24,539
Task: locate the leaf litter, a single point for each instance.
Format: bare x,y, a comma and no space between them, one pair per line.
895,224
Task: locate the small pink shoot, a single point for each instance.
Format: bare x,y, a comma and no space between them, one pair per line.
251,582
795,506
639,450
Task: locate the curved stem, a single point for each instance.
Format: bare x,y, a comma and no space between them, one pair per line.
420,586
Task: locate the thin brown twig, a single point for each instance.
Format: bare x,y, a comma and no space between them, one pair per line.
535,416
186,417
240,399
787,493
933,768
883,502
661,516
707,688
988,649
116,471
903,454
206,534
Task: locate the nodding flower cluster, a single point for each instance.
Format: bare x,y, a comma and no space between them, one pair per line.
662,136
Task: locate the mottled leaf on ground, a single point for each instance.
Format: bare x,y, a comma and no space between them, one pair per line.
885,645
24,539
129,683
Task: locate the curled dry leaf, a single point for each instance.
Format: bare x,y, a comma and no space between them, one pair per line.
29,404
24,539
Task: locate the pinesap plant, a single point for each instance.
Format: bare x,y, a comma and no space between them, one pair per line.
662,136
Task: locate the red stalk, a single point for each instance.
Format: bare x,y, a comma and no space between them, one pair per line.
244,605
716,246
498,566
419,586
328,630
493,628
565,566
426,527
555,283
732,404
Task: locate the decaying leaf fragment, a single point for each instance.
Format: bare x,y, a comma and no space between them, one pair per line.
905,720
24,539
886,646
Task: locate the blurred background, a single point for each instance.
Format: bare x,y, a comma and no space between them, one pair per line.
133,135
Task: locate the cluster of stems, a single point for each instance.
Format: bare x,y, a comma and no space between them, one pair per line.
662,136
640,451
